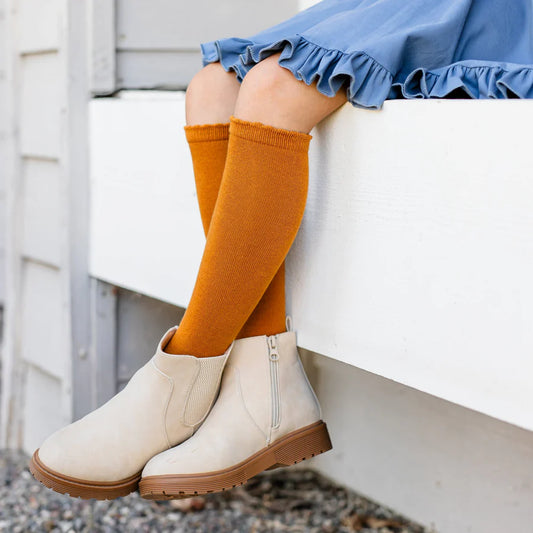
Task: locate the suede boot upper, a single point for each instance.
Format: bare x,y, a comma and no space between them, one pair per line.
264,395
162,405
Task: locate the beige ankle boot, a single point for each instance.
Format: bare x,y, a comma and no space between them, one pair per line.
101,455
266,415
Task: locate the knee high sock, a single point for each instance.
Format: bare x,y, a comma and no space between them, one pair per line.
258,211
208,144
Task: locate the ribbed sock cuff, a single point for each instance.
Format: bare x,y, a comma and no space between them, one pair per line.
207,132
261,133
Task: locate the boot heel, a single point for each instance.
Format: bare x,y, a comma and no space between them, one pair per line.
303,444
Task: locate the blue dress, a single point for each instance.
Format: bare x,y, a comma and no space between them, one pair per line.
386,49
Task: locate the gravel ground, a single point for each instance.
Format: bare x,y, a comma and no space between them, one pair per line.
291,499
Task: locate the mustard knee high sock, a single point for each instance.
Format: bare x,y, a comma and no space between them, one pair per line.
259,208
208,144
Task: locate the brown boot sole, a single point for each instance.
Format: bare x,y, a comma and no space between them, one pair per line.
293,448
80,488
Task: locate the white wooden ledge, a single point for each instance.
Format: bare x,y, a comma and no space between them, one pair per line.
415,258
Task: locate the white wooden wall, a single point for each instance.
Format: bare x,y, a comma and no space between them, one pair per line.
157,41
60,340
47,326
4,128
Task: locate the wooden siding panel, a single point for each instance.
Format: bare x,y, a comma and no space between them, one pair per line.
102,46
152,69
2,218
43,322
4,136
104,339
171,25
141,324
160,174
158,42
41,104
3,229
38,25
43,413
41,211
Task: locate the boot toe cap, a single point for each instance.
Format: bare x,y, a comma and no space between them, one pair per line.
167,462
65,453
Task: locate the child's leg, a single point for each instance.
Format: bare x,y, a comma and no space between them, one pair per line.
211,98
259,206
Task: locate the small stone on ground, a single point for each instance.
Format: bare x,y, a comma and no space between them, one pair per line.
283,500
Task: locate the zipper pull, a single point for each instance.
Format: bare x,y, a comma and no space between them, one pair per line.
273,354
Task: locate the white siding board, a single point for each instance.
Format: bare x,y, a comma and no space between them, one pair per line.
3,229
102,46
2,217
39,25
137,187
42,407
424,262
74,163
2,272
41,105
158,43
11,397
152,69
424,256
104,340
43,334
449,468
4,134
170,25
42,210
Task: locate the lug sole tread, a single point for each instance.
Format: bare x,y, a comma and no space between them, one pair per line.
294,448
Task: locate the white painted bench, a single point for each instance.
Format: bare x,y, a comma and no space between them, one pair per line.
415,257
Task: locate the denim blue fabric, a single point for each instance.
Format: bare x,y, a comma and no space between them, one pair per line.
387,49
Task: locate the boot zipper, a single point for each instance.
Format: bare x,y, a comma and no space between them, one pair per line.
273,356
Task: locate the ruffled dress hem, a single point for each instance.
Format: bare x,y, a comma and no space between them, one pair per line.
368,83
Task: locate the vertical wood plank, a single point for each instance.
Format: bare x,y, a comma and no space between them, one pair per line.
4,131
42,314
41,104
102,46
74,157
38,25
104,335
140,324
42,208
12,376
42,407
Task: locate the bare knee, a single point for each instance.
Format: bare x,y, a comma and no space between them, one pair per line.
272,94
211,95
269,83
